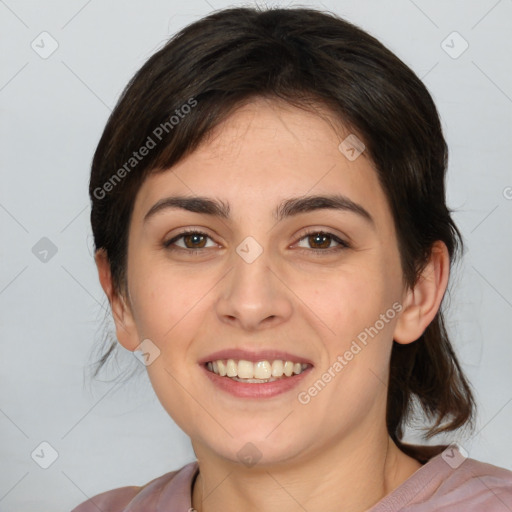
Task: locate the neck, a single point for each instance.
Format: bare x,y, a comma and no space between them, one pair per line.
356,475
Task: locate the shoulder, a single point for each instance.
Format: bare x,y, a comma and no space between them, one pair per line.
479,486
117,500
449,481
114,500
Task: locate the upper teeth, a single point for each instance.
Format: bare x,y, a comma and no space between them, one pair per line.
260,370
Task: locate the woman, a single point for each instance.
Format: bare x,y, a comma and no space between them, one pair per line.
271,230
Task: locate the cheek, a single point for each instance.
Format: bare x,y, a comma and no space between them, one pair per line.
349,300
163,297
358,309
174,391
361,317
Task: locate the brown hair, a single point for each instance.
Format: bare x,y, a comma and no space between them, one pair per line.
302,56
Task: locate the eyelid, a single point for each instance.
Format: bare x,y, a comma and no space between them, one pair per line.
188,231
311,230
341,240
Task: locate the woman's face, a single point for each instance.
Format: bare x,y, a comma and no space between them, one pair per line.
264,279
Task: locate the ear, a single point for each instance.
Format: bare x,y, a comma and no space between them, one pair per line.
126,330
422,303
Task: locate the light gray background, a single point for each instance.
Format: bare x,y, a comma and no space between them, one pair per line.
53,111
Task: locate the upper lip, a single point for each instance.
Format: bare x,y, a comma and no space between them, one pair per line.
254,356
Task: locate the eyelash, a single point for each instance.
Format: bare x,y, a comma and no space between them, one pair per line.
318,252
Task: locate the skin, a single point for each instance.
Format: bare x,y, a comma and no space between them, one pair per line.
335,449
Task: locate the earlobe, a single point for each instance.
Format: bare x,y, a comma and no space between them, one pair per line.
422,303
126,331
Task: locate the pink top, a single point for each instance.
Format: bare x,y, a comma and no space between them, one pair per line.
448,482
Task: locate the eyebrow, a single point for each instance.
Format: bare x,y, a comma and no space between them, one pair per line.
287,208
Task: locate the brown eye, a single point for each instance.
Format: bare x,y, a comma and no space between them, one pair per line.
196,240
191,240
320,241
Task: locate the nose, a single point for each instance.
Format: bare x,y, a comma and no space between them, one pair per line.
253,295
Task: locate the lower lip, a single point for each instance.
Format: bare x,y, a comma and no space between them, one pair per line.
254,390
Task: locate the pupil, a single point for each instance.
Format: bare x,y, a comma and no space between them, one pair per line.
195,238
318,237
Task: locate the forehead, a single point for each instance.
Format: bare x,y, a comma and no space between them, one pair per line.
266,151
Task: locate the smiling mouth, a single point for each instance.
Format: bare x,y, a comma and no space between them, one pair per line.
256,373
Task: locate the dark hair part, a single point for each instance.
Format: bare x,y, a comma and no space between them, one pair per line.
304,57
